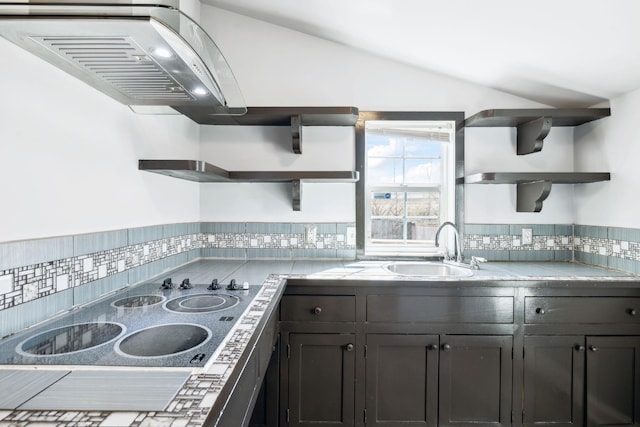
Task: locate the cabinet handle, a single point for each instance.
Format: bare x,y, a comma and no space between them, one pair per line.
432,347
632,312
317,310
593,348
446,347
579,347
349,347
540,310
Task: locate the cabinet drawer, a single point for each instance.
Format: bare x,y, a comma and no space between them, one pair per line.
436,309
318,308
582,310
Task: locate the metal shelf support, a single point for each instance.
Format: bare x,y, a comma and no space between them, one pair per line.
531,135
296,134
296,195
530,195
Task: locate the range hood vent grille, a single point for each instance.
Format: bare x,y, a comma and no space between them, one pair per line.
121,63
146,54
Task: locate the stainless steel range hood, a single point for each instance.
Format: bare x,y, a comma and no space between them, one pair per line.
143,53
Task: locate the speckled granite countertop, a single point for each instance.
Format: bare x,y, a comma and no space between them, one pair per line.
196,398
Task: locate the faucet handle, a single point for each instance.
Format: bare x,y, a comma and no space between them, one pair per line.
475,261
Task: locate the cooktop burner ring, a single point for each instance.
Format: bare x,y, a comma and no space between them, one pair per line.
71,339
158,341
192,303
138,301
201,303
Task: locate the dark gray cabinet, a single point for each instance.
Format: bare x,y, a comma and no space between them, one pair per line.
429,380
569,377
321,379
405,354
265,412
475,380
589,376
402,380
553,381
613,381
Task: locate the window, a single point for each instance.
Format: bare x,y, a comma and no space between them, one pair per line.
409,184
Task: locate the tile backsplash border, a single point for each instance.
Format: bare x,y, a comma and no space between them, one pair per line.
610,247
503,242
42,277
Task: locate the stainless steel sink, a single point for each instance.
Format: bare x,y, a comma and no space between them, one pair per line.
427,269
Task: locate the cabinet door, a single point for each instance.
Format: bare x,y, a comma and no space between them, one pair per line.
265,413
321,379
553,381
402,380
613,381
475,380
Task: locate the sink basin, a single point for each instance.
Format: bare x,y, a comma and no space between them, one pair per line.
427,269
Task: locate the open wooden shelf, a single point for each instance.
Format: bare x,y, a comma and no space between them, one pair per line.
200,171
533,125
295,117
534,187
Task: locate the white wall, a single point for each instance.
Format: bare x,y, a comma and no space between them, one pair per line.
68,156
611,145
247,148
279,67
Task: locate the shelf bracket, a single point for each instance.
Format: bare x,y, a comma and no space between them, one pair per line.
296,131
530,195
296,194
530,135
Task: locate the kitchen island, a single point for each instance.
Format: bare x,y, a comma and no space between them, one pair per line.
220,388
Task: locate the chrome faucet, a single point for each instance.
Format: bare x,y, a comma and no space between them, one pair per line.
457,239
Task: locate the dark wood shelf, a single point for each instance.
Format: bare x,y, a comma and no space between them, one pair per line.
279,116
521,177
295,117
533,125
533,188
516,117
199,171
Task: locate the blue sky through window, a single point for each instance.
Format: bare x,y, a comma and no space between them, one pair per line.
402,160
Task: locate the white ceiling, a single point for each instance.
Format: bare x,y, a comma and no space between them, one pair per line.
559,52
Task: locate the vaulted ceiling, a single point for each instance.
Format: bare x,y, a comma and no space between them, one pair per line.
561,53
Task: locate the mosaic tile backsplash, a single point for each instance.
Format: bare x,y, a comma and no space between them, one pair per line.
39,278
610,247
496,242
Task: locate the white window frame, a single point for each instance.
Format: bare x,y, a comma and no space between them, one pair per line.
432,129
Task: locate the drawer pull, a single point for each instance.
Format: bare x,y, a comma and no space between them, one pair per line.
593,348
349,347
579,348
446,347
540,310
432,347
632,312
317,310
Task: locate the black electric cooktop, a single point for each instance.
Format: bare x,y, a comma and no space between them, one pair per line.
160,323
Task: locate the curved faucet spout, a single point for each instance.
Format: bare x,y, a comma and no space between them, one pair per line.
457,239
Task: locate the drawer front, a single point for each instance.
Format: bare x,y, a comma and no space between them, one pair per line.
318,308
582,310
436,309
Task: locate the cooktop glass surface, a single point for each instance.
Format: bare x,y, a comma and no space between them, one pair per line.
144,325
